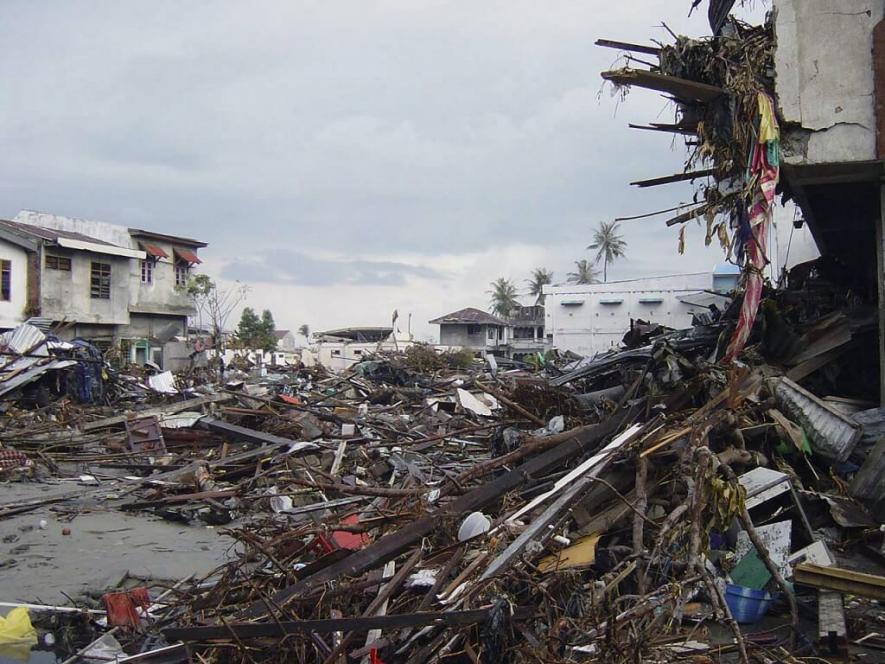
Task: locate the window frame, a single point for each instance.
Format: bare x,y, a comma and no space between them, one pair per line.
100,280
5,280
147,271
182,272
58,263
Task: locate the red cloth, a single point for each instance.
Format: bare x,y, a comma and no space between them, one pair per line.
10,459
760,212
123,607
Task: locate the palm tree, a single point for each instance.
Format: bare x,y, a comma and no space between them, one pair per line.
585,273
540,278
608,245
503,298
304,331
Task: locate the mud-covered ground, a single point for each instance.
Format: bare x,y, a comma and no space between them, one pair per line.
43,565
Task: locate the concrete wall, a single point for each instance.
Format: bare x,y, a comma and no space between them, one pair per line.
12,312
160,296
154,326
456,335
100,230
593,318
66,295
338,355
825,78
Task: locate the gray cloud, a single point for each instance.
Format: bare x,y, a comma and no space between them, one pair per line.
296,268
351,129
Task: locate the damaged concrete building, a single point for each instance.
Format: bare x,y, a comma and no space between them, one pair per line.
113,285
789,108
515,337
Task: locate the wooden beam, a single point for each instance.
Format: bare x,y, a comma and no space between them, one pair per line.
676,177
669,128
626,46
687,216
244,434
233,631
681,88
392,545
169,409
841,580
569,488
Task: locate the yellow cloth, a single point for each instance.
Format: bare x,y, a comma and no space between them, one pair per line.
768,130
17,635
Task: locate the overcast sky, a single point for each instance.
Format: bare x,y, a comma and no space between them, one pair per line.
346,158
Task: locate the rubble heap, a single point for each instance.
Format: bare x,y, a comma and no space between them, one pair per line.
650,504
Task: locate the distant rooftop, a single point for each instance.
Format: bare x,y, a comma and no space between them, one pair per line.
470,315
175,239
365,334
48,234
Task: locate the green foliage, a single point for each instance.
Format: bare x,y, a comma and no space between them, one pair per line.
257,333
584,273
199,285
503,297
304,331
608,245
540,277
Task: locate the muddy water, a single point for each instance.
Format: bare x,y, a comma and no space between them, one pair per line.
42,565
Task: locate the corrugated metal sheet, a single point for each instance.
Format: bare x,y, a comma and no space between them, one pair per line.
23,339
832,434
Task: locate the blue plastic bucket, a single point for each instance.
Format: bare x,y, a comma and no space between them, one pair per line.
747,605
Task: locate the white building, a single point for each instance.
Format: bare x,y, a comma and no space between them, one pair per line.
340,349
592,318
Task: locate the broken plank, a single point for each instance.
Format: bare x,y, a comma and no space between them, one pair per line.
841,580
570,487
680,88
324,626
160,411
668,128
676,177
627,46
244,434
390,546
687,216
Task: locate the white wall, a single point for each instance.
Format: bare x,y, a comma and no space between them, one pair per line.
582,322
12,312
100,230
339,355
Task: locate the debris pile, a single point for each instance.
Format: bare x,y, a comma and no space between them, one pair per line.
652,504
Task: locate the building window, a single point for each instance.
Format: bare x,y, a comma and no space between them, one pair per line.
100,282
473,329
147,271
58,263
5,280
491,334
181,272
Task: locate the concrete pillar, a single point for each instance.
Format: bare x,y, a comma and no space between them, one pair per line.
880,284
